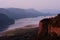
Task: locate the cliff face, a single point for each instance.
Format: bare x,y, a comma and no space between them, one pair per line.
56,30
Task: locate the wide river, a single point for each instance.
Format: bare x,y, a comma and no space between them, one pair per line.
26,21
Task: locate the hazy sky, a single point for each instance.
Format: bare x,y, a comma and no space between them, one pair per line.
36,4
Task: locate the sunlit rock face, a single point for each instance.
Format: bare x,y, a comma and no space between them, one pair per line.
56,30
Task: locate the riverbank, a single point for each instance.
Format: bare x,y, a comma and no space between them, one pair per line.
20,33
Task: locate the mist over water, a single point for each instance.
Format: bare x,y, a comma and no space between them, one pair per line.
26,21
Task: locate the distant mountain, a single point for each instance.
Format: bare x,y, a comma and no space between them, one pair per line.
17,13
52,11
5,21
